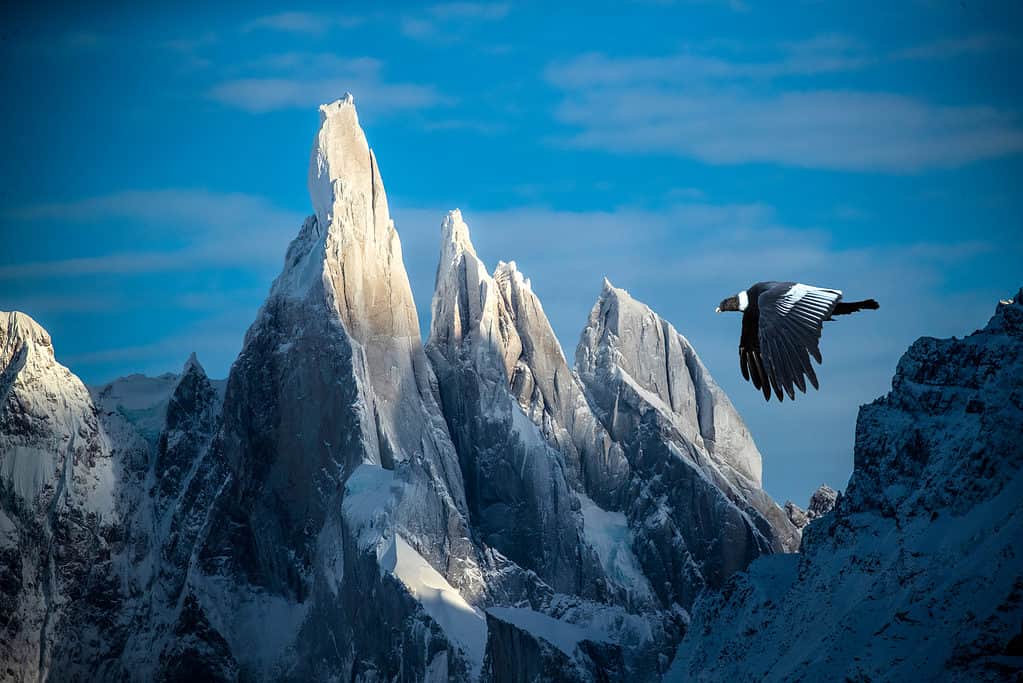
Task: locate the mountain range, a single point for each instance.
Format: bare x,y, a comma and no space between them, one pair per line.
356,504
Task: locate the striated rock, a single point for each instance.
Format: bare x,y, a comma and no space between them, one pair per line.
921,549
796,515
487,337
696,507
333,377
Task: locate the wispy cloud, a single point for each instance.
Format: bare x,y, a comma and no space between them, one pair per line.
284,83
215,229
307,23
444,21
730,111
950,48
477,11
217,341
823,129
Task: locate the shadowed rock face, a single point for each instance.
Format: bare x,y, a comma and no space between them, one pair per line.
921,549
503,382
63,515
332,377
636,460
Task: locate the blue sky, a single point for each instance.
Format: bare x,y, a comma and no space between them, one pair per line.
154,170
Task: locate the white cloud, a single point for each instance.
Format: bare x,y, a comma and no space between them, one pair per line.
726,111
308,23
216,229
284,83
951,47
444,22
476,11
822,129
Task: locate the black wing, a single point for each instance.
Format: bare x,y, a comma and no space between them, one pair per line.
791,318
751,361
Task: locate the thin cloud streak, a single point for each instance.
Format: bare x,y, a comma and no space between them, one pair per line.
307,23
282,82
721,111
211,225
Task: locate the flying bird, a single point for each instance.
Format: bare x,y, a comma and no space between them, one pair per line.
781,329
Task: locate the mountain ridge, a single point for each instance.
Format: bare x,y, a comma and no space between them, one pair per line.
357,503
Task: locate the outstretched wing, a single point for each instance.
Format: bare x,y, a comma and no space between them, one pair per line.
792,316
751,361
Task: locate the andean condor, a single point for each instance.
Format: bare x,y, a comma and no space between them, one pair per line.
781,329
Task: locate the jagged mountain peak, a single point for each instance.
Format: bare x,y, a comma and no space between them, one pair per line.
626,338
341,161
192,365
919,556
18,329
509,272
347,492
454,237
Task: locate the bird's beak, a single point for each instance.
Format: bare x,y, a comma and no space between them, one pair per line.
717,309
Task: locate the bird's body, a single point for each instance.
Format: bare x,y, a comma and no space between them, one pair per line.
781,330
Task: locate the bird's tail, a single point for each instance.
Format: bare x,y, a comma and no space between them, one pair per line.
847,307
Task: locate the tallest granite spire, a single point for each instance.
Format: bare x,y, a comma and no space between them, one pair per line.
332,395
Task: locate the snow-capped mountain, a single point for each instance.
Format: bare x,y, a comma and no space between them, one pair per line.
917,573
142,400
70,479
354,504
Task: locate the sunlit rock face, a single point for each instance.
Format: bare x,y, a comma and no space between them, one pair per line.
695,500
686,511
333,378
822,502
919,556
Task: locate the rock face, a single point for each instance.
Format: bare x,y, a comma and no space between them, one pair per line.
354,505
63,512
333,379
695,501
665,475
822,502
922,549
506,389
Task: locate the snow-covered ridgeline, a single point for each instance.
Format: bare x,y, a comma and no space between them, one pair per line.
915,574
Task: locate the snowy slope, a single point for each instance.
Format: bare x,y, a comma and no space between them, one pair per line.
695,505
916,574
142,400
62,511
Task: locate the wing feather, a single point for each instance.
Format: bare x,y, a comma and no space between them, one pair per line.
765,385
791,318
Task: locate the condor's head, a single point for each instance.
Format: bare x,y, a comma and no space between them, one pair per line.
739,302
